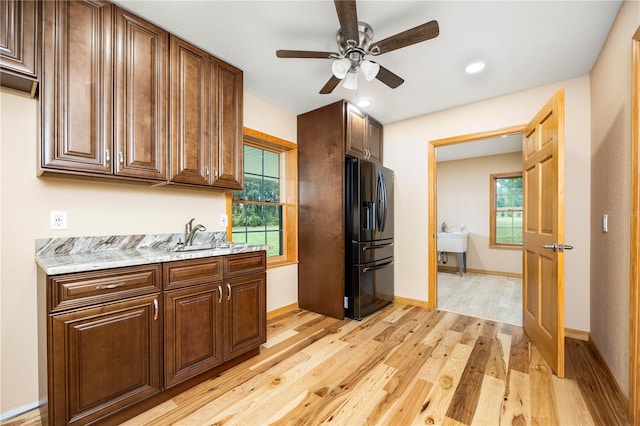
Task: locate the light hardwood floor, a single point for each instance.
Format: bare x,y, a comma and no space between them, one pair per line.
493,297
399,366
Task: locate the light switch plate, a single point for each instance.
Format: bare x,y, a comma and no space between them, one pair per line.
224,220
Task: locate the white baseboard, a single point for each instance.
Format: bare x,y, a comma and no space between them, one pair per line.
18,411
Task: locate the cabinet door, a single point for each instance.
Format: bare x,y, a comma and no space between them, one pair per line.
245,317
189,102
76,86
356,132
193,332
18,44
141,97
103,359
227,125
374,140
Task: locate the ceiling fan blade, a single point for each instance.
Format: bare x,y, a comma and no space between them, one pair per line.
305,54
331,84
348,17
389,78
407,38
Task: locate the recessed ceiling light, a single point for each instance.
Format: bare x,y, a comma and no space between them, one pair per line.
364,103
474,67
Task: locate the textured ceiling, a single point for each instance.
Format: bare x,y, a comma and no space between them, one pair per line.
524,43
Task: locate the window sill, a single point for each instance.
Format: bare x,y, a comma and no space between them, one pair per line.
506,246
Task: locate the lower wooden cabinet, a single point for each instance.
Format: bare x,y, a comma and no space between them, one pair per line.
208,324
104,359
246,323
114,341
193,336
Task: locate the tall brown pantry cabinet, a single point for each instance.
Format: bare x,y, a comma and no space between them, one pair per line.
325,136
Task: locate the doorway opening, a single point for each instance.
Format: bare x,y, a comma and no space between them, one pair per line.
469,210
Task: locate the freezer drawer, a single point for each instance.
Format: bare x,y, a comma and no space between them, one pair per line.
371,288
371,251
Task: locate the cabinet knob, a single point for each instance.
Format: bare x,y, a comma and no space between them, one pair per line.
206,171
120,157
107,157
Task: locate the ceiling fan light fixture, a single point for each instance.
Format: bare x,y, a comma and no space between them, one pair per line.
369,69
341,67
350,81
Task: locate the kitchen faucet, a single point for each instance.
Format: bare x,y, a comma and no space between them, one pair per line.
443,227
190,231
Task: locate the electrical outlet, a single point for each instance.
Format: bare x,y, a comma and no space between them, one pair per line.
58,220
224,220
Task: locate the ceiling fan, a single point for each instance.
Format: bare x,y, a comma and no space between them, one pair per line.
355,42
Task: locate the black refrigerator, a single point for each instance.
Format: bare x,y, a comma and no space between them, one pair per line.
369,237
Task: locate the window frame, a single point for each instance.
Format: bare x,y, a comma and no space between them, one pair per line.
493,210
288,193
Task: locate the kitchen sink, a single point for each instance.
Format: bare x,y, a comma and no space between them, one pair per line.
453,242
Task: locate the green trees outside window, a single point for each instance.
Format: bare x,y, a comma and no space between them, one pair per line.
506,206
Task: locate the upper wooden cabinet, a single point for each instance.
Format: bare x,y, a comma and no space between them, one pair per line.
122,98
141,96
206,119
104,95
19,44
364,135
76,98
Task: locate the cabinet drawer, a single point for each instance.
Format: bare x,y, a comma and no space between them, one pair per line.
184,273
246,263
83,289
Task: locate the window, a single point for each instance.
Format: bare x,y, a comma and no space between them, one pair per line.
506,210
265,211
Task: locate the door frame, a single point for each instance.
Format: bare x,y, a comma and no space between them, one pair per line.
634,299
432,227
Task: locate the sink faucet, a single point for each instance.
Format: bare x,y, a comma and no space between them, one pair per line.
190,231
443,227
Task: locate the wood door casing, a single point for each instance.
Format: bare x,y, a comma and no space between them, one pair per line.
193,332
190,103
103,359
543,224
76,86
141,97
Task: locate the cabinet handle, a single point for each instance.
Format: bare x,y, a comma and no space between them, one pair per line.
120,157
155,307
109,286
220,291
206,171
107,156
229,290
215,172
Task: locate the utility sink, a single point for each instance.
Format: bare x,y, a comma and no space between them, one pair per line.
453,242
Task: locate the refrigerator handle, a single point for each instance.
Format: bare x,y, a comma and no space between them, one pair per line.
381,266
381,199
365,248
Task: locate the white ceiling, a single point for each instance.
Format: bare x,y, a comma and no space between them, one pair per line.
524,43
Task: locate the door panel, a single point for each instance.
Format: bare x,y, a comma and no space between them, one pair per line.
543,275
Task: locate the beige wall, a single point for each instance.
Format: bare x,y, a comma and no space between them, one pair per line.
93,208
405,151
464,199
610,193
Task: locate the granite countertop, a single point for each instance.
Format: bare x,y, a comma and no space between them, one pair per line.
81,254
